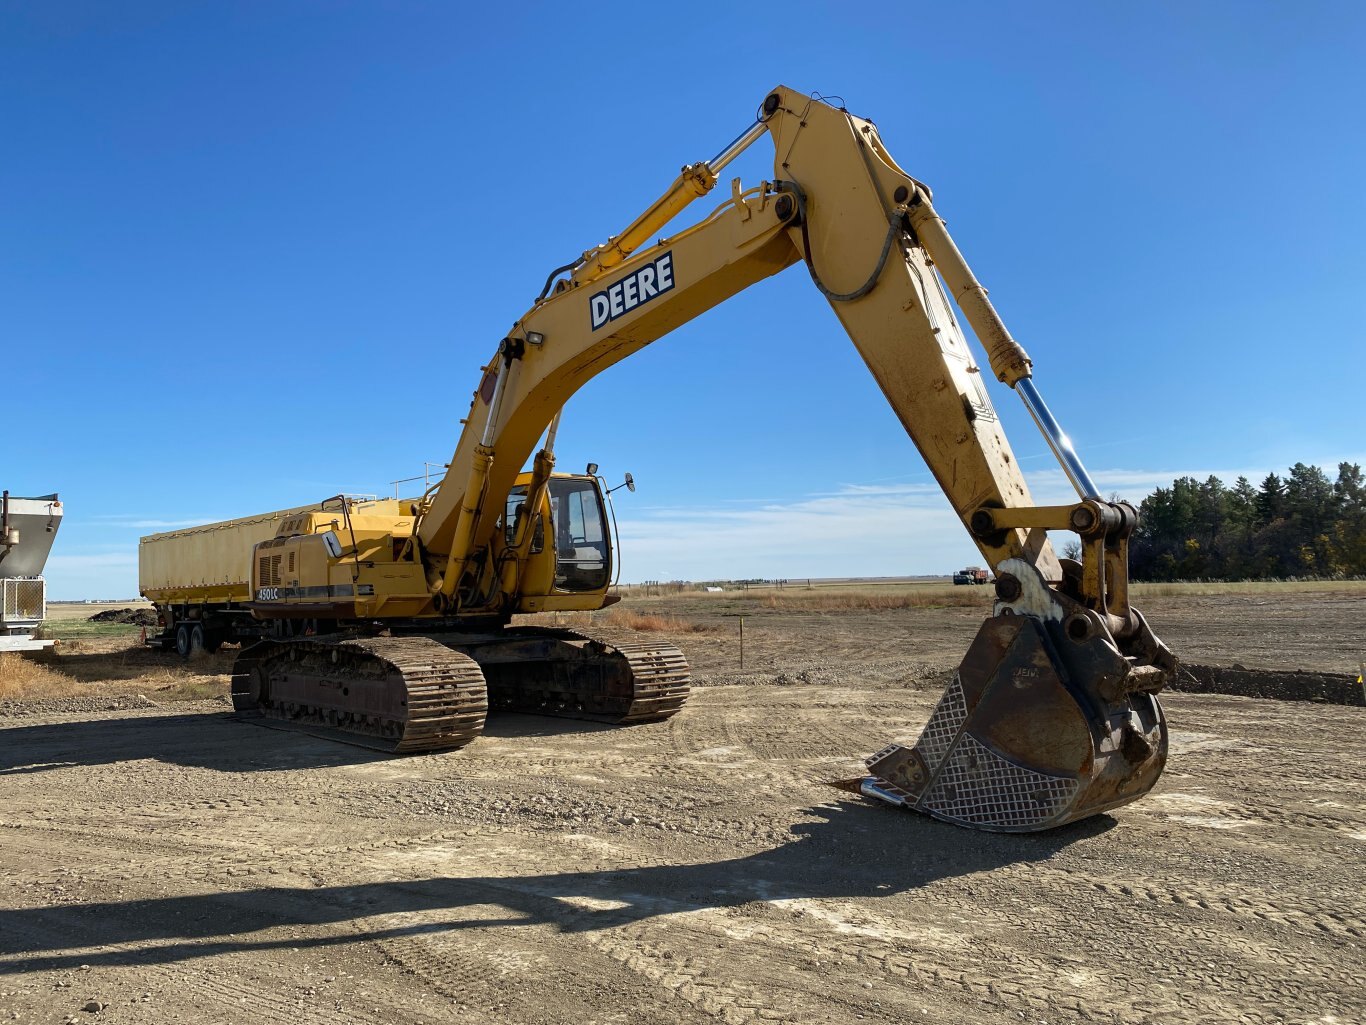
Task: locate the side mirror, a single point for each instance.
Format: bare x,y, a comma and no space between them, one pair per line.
630,483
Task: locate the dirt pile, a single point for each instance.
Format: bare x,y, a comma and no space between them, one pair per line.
129,617
1296,685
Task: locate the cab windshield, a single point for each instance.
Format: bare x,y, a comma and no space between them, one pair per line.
582,554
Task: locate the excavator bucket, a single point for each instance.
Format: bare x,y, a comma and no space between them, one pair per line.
1045,722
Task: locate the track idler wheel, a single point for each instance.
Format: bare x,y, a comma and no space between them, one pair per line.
1045,722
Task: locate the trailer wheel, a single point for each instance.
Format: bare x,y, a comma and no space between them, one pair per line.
182,640
196,640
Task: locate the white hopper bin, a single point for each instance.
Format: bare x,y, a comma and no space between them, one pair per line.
28,526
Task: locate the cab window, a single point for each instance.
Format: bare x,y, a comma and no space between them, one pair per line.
516,502
582,554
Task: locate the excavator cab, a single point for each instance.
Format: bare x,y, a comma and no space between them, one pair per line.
568,555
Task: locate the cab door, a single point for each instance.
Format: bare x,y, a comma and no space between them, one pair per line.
583,551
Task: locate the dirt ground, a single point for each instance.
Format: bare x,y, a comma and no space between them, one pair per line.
174,865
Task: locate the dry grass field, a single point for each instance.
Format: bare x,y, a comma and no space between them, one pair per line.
166,863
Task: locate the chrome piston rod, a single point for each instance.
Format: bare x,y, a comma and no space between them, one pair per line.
1009,361
737,146
1057,439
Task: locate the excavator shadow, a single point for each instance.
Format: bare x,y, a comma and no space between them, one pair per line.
217,742
852,852
193,740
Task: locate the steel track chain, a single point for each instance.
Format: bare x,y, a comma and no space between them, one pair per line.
445,695
655,673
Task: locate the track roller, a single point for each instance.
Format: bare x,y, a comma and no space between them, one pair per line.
569,674
395,694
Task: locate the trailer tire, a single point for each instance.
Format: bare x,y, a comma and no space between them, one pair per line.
182,640
196,640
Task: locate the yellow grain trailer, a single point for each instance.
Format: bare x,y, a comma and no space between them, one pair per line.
199,579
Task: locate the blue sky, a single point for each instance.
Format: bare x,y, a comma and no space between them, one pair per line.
254,254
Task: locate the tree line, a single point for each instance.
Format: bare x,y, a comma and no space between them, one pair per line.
1301,525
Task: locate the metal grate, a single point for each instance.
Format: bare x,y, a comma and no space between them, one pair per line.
943,727
269,571
972,784
25,601
978,786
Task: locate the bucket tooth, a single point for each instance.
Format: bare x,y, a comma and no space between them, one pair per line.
1036,729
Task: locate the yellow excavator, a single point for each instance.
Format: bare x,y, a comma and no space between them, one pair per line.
390,620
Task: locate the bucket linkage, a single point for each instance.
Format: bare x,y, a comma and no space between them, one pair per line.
1053,714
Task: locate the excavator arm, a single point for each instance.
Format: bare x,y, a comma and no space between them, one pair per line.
1053,714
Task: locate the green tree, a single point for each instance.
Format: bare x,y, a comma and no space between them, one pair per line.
1301,525
1349,532
1270,500
1242,519
1312,510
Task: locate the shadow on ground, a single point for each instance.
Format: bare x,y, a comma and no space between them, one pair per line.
853,851
135,663
204,740
219,741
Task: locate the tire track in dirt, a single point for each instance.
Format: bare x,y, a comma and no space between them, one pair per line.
1021,978
734,998
644,946
460,975
590,926
214,986
747,726
94,838
1211,897
662,946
